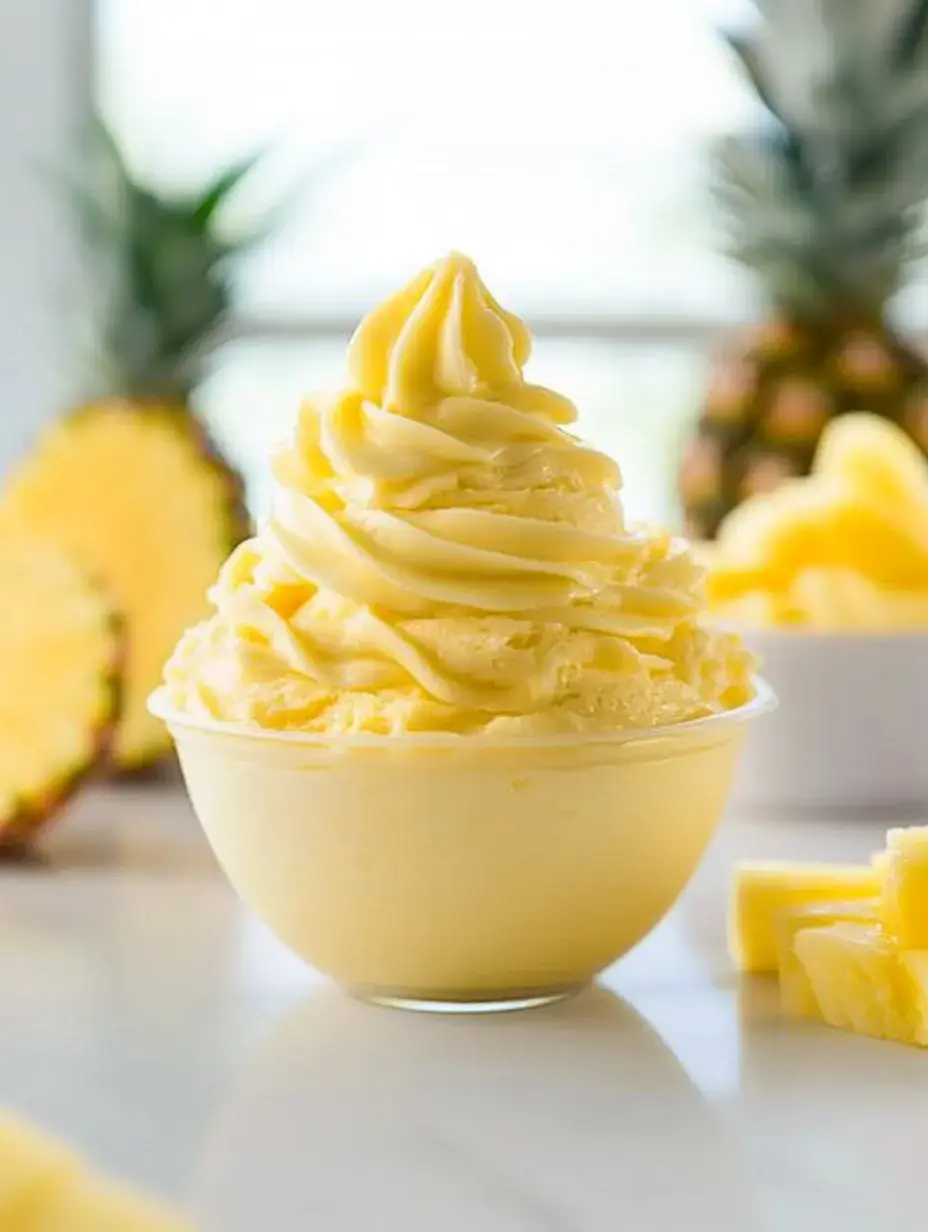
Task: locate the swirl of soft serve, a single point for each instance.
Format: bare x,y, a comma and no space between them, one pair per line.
443,554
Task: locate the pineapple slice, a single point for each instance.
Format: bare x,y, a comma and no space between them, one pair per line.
905,892
136,494
60,657
797,999
863,983
762,890
45,1188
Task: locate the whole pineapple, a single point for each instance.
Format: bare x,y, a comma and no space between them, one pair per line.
823,202
130,482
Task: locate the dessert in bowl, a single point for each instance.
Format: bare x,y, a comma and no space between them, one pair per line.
455,731
827,579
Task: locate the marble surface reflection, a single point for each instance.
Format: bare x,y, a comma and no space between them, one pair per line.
576,1116
150,1020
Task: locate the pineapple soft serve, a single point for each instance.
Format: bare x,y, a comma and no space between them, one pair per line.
445,555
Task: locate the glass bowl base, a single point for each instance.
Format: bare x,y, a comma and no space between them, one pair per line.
495,1003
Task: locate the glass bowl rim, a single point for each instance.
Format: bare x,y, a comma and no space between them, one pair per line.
763,701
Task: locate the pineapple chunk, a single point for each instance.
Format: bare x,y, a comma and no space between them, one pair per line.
844,600
877,459
880,861
762,890
60,658
846,547
44,1188
31,1170
797,1000
98,1206
863,983
761,543
905,893
135,493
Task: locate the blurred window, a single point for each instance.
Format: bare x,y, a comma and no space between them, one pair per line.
560,145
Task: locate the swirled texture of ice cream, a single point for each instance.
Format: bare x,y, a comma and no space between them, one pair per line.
443,555
845,548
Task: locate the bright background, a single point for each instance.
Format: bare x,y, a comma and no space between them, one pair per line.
558,144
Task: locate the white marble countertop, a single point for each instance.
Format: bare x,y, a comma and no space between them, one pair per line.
148,1018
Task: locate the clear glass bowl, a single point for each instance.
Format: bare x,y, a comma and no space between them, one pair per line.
456,873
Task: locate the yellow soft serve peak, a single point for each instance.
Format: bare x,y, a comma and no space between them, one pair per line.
443,554
442,334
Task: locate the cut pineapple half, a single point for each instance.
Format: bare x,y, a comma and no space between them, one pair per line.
139,496
60,658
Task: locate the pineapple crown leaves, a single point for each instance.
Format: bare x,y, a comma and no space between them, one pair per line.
161,271
825,197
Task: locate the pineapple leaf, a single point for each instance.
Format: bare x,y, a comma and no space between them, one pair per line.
95,219
103,140
912,36
832,190
223,186
749,55
159,271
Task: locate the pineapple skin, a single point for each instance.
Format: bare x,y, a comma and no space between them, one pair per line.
769,402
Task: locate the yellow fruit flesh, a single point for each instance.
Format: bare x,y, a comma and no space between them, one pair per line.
863,983
92,1205
845,600
131,493
845,547
797,998
59,649
44,1188
31,1170
877,459
905,893
824,527
763,890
